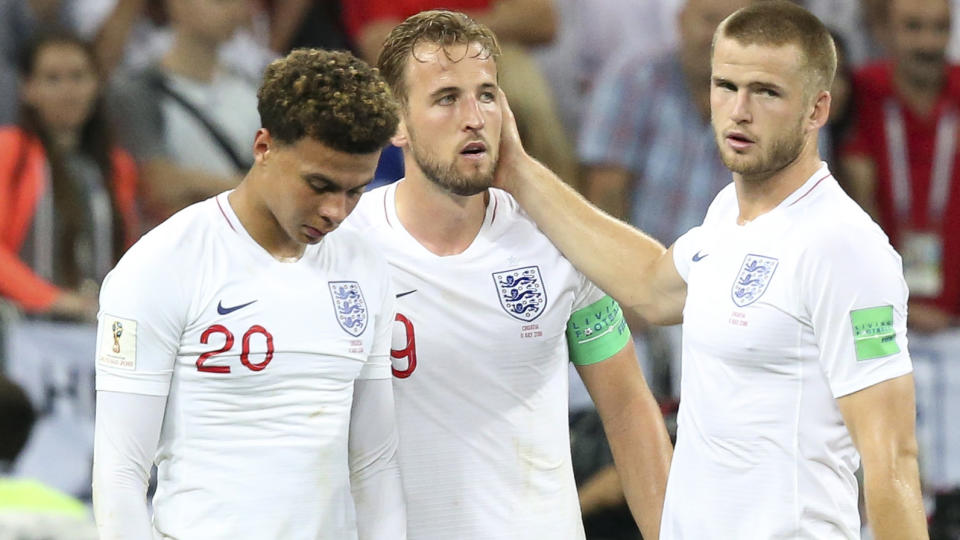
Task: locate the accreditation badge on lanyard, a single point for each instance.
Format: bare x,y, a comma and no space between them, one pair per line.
921,249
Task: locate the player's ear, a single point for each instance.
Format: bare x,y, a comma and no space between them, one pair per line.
820,113
262,144
401,138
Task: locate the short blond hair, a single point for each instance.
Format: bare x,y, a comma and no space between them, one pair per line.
778,23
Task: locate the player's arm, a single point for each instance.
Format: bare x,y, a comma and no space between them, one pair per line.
859,319
373,443
601,348
631,266
125,440
881,420
138,335
374,470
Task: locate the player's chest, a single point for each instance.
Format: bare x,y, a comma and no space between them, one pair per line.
743,299
247,320
514,301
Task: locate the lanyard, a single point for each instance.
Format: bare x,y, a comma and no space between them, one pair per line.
943,157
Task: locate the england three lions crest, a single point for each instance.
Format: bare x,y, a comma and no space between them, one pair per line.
521,292
349,306
755,274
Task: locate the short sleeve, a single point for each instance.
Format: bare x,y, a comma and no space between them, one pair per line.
587,293
141,319
378,365
853,291
684,249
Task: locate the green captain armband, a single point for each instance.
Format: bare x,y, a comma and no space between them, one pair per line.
596,332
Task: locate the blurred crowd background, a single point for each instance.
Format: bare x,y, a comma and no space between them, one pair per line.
114,114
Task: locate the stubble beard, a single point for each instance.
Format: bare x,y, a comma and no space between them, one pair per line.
784,151
447,177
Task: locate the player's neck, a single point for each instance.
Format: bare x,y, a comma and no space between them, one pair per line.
443,223
261,225
760,194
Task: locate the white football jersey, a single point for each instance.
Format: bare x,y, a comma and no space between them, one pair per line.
258,358
804,304
480,364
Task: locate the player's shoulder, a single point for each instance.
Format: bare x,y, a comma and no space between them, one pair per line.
356,247
834,227
722,206
180,238
371,211
509,224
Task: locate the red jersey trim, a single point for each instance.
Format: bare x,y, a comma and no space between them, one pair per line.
224,214
828,175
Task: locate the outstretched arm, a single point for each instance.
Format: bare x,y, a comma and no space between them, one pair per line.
632,267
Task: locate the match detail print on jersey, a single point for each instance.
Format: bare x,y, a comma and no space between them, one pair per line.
752,280
349,306
873,333
521,292
118,346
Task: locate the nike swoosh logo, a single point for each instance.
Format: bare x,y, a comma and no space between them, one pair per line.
224,310
697,256
406,293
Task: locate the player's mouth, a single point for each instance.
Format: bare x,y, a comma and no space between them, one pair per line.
313,233
738,140
475,150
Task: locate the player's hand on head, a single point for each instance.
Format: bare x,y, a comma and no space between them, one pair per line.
512,153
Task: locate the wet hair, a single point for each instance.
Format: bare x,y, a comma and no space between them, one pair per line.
441,27
95,141
329,96
16,420
778,23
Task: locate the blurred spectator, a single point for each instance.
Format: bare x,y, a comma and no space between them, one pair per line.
67,194
307,23
647,145
518,24
589,32
900,164
855,24
189,119
28,509
19,19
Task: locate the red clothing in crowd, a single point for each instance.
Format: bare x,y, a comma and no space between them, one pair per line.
357,13
23,181
875,98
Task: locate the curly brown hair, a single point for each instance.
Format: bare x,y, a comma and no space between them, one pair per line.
439,26
330,96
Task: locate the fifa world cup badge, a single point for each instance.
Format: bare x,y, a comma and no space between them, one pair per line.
117,332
